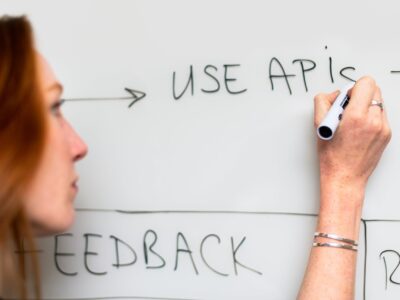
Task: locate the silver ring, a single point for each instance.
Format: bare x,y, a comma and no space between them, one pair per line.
336,245
377,103
335,237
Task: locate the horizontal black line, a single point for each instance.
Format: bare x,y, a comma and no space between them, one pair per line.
240,212
193,212
214,212
28,251
112,297
381,220
394,71
99,99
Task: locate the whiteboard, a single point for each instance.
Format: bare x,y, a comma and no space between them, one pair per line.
210,192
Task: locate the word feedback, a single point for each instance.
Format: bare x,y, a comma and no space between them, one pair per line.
152,257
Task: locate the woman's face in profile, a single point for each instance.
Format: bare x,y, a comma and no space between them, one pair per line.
50,196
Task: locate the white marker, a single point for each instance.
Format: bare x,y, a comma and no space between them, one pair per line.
329,124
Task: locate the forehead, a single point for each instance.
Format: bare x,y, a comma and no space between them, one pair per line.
47,77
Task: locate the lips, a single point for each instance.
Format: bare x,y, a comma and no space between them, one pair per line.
74,184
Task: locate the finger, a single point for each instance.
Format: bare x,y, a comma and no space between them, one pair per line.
384,115
387,131
322,104
361,96
375,112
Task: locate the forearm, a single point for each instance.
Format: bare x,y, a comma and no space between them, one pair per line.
345,162
331,271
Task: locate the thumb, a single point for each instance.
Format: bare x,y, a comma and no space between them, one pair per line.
322,104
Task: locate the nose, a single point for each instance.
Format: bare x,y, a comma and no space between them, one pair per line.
78,147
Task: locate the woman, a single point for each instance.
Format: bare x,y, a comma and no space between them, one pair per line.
37,156
39,149
346,162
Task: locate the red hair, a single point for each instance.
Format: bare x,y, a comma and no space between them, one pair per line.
22,139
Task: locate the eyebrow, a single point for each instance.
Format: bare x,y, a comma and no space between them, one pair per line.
56,86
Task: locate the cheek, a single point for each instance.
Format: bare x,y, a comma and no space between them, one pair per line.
58,221
49,205
48,216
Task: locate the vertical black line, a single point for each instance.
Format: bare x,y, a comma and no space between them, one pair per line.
365,259
386,274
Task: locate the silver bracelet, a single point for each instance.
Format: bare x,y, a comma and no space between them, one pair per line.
336,245
335,237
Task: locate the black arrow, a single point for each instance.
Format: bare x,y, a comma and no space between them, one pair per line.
135,95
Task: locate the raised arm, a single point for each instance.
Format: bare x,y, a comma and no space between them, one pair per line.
346,162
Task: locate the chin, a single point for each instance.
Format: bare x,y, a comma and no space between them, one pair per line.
54,225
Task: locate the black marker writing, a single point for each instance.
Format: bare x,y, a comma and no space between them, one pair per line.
24,251
149,248
202,253
134,97
345,69
330,67
235,261
304,70
90,253
282,74
230,79
186,250
190,81
117,243
206,68
387,276
58,254
183,253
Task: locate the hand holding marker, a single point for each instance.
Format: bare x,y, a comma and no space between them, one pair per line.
330,123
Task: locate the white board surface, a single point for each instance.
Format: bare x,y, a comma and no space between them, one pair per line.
228,172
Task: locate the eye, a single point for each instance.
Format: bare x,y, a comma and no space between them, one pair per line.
56,107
